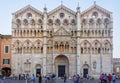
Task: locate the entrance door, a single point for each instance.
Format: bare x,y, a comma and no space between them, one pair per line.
38,71
61,70
85,72
6,71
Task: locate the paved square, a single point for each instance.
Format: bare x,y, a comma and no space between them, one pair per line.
57,81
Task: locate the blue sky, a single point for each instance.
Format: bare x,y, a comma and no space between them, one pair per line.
7,7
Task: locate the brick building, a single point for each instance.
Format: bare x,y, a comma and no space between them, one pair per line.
5,54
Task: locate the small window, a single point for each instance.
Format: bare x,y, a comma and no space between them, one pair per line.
99,50
6,61
29,15
62,15
57,21
95,15
117,69
6,49
81,50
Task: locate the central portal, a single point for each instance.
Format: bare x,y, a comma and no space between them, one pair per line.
61,65
61,70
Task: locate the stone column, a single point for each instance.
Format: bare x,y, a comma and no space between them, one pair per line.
44,41
78,41
22,61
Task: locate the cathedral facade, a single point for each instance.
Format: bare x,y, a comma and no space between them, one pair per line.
62,41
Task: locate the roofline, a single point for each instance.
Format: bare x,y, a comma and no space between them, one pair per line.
28,6
59,7
95,5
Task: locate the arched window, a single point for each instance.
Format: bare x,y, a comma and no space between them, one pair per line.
99,50
18,22
39,21
65,22
81,50
62,15
106,22
84,23
73,22
25,21
91,21
29,15
32,22
57,21
99,22
50,21
94,14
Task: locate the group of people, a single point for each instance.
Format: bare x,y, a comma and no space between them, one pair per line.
49,78
76,78
31,77
108,78
39,78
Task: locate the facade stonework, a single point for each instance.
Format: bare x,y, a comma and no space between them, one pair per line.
62,41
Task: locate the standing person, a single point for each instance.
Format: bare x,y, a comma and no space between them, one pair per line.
74,78
113,78
105,78
101,77
53,78
33,78
65,78
109,78
40,78
19,76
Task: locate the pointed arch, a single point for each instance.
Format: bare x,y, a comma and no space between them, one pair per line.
107,46
85,43
38,43
99,23
107,43
17,43
85,47
96,43
25,22
38,46
96,47
27,43
84,23
91,23
39,21
32,22
107,22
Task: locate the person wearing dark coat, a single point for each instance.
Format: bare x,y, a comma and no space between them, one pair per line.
40,78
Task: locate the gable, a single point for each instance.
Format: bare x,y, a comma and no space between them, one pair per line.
62,8
61,31
98,9
26,9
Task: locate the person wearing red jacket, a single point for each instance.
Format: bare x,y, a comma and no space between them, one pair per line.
109,78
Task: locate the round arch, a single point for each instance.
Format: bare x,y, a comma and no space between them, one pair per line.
38,69
85,70
61,63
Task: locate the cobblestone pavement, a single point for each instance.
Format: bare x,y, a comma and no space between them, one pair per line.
57,81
